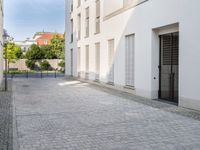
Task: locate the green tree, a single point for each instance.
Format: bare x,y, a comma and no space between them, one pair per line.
35,53
62,65
58,45
48,53
18,52
13,52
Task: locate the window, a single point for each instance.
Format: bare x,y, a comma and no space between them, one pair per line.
72,28
79,61
111,61
87,54
87,22
72,6
130,58
97,61
79,26
87,58
72,62
78,3
97,24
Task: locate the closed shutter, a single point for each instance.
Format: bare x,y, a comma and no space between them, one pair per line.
98,8
71,62
130,55
175,50
170,49
87,22
111,61
72,28
79,61
97,61
79,27
87,62
167,49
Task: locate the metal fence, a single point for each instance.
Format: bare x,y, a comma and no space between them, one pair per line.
36,74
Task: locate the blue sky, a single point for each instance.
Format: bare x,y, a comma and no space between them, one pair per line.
25,17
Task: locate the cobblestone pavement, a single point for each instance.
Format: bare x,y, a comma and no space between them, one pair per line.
55,114
6,117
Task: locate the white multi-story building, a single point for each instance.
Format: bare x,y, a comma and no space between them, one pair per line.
25,45
148,46
1,42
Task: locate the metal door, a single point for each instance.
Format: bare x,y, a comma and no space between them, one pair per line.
169,67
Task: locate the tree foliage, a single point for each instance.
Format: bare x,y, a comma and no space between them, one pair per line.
55,50
58,45
44,65
48,53
30,64
13,52
62,65
35,53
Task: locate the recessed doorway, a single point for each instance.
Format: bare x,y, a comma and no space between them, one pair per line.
169,67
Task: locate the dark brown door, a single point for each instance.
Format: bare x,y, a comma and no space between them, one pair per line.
169,67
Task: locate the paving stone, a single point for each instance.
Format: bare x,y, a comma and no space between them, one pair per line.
6,117
55,114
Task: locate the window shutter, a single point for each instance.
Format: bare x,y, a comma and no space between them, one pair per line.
130,58
98,8
97,61
87,58
111,61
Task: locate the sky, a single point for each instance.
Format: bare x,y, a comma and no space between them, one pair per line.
22,18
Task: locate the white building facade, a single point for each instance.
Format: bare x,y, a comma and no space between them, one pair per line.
1,42
25,45
150,47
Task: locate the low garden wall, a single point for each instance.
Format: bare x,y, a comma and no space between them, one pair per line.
21,64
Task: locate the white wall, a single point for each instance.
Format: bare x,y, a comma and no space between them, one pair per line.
112,6
67,42
146,21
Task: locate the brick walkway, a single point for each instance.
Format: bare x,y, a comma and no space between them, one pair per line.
54,114
6,117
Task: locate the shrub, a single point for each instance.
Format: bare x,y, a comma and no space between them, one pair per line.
30,64
62,65
44,65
